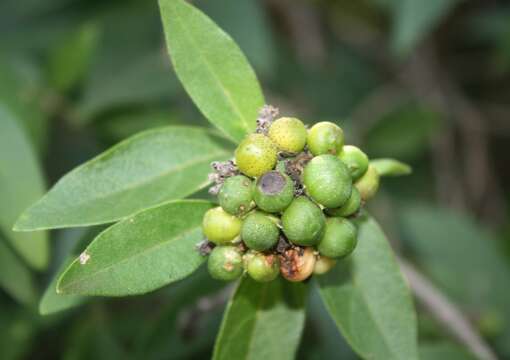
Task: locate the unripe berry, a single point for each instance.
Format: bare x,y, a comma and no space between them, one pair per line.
289,134
323,265
327,181
303,222
368,184
225,263
259,231
273,191
220,227
263,267
355,159
350,207
256,155
339,238
235,195
325,138
297,264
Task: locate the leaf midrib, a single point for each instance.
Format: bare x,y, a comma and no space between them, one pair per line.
146,180
128,258
211,69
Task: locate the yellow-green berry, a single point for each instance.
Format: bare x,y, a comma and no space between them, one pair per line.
220,227
327,181
339,238
259,231
303,222
256,155
225,263
350,207
355,159
289,134
273,191
297,264
325,138
323,265
263,267
235,195
368,184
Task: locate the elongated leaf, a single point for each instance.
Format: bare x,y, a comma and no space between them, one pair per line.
414,19
142,171
451,246
70,61
52,302
75,241
20,185
212,68
262,321
15,278
391,167
444,350
372,305
140,254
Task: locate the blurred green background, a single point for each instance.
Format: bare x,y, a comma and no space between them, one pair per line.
426,82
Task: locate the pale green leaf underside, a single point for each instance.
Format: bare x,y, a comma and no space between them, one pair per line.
142,253
51,302
372,307
391,167
262,321
212,69
15,278
145,170
20,185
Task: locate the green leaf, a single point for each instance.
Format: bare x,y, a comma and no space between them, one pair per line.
70,60
75,241
414,19
403,133
212,68
262,321
451,246
15,278
444,350
145,170
52,302
248,23
20,185
145,79
371,305
391,167
145,252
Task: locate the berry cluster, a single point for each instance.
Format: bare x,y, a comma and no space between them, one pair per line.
287,202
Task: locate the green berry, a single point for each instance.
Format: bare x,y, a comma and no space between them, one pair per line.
262,267
273,191
256,155
350,207
303,222
289,134
235,195
325,138
220,227
355,159
297,264
225,263
339,238
323,265
259,231
327,181
368,184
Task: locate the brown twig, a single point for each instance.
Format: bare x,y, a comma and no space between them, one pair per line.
444,311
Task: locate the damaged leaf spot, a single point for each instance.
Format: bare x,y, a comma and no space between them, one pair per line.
84,258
